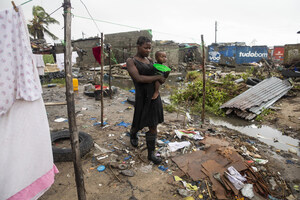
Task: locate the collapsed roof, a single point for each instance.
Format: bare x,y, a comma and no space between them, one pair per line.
261,96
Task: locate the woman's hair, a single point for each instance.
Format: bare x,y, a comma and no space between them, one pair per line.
142,40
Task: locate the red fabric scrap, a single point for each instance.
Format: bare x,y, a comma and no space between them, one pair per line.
97,53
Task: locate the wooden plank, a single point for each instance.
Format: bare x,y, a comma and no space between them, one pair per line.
55,103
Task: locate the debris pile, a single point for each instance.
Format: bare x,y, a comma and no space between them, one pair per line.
117,70
202,164
39,46
261,96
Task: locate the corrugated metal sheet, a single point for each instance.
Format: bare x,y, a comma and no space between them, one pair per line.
259,97
246,54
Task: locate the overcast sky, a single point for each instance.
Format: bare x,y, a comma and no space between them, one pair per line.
259,22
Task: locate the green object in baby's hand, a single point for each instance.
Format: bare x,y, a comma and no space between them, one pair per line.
161,67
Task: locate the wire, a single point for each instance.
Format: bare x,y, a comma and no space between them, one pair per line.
25,2
90,16
56,10
107,22
133,27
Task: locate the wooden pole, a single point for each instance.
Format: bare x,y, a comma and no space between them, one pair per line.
203,90
216,31
70,102
101,78
109,78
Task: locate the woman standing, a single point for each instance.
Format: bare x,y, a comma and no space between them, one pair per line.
148,112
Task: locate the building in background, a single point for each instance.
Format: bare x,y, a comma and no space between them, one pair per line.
278,53
123,45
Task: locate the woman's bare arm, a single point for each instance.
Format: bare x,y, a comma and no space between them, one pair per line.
134,73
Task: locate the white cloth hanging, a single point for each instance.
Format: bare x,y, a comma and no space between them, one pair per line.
39,63
27,168
60,60
18,77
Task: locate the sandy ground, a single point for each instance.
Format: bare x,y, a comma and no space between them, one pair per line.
287,118
151,184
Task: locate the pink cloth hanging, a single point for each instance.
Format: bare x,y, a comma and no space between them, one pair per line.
18,77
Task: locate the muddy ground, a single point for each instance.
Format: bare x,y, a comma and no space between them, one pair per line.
151,184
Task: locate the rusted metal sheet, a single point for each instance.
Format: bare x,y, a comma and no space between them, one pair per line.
261,96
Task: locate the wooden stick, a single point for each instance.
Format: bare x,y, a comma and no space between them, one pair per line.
101,79
109,81
71,103
203,90
55,103
94,74
114,173
15,7
208,189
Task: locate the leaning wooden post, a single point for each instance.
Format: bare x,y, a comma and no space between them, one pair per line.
70,102
101,78
203,71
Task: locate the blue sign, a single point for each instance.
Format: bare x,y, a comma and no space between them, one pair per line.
246,54
222,54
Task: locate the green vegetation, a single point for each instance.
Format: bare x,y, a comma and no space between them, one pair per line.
296,87
169,108
191,96
248,73
38,26
48,58
263,114
192,75
59,81
217,93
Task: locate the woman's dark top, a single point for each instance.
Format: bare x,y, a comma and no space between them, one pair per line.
147,112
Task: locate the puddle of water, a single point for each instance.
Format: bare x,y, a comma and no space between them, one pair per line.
264,133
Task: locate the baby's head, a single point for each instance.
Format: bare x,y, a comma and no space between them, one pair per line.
161,57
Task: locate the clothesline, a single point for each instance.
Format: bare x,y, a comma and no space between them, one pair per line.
25,2
133,27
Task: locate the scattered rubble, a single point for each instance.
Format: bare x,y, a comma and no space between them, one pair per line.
202,164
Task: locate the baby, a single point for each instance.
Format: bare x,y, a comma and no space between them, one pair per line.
160,69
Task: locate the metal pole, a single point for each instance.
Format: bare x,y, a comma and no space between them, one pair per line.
70,102
203,71
101,78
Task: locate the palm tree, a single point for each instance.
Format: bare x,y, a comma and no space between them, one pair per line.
39,24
